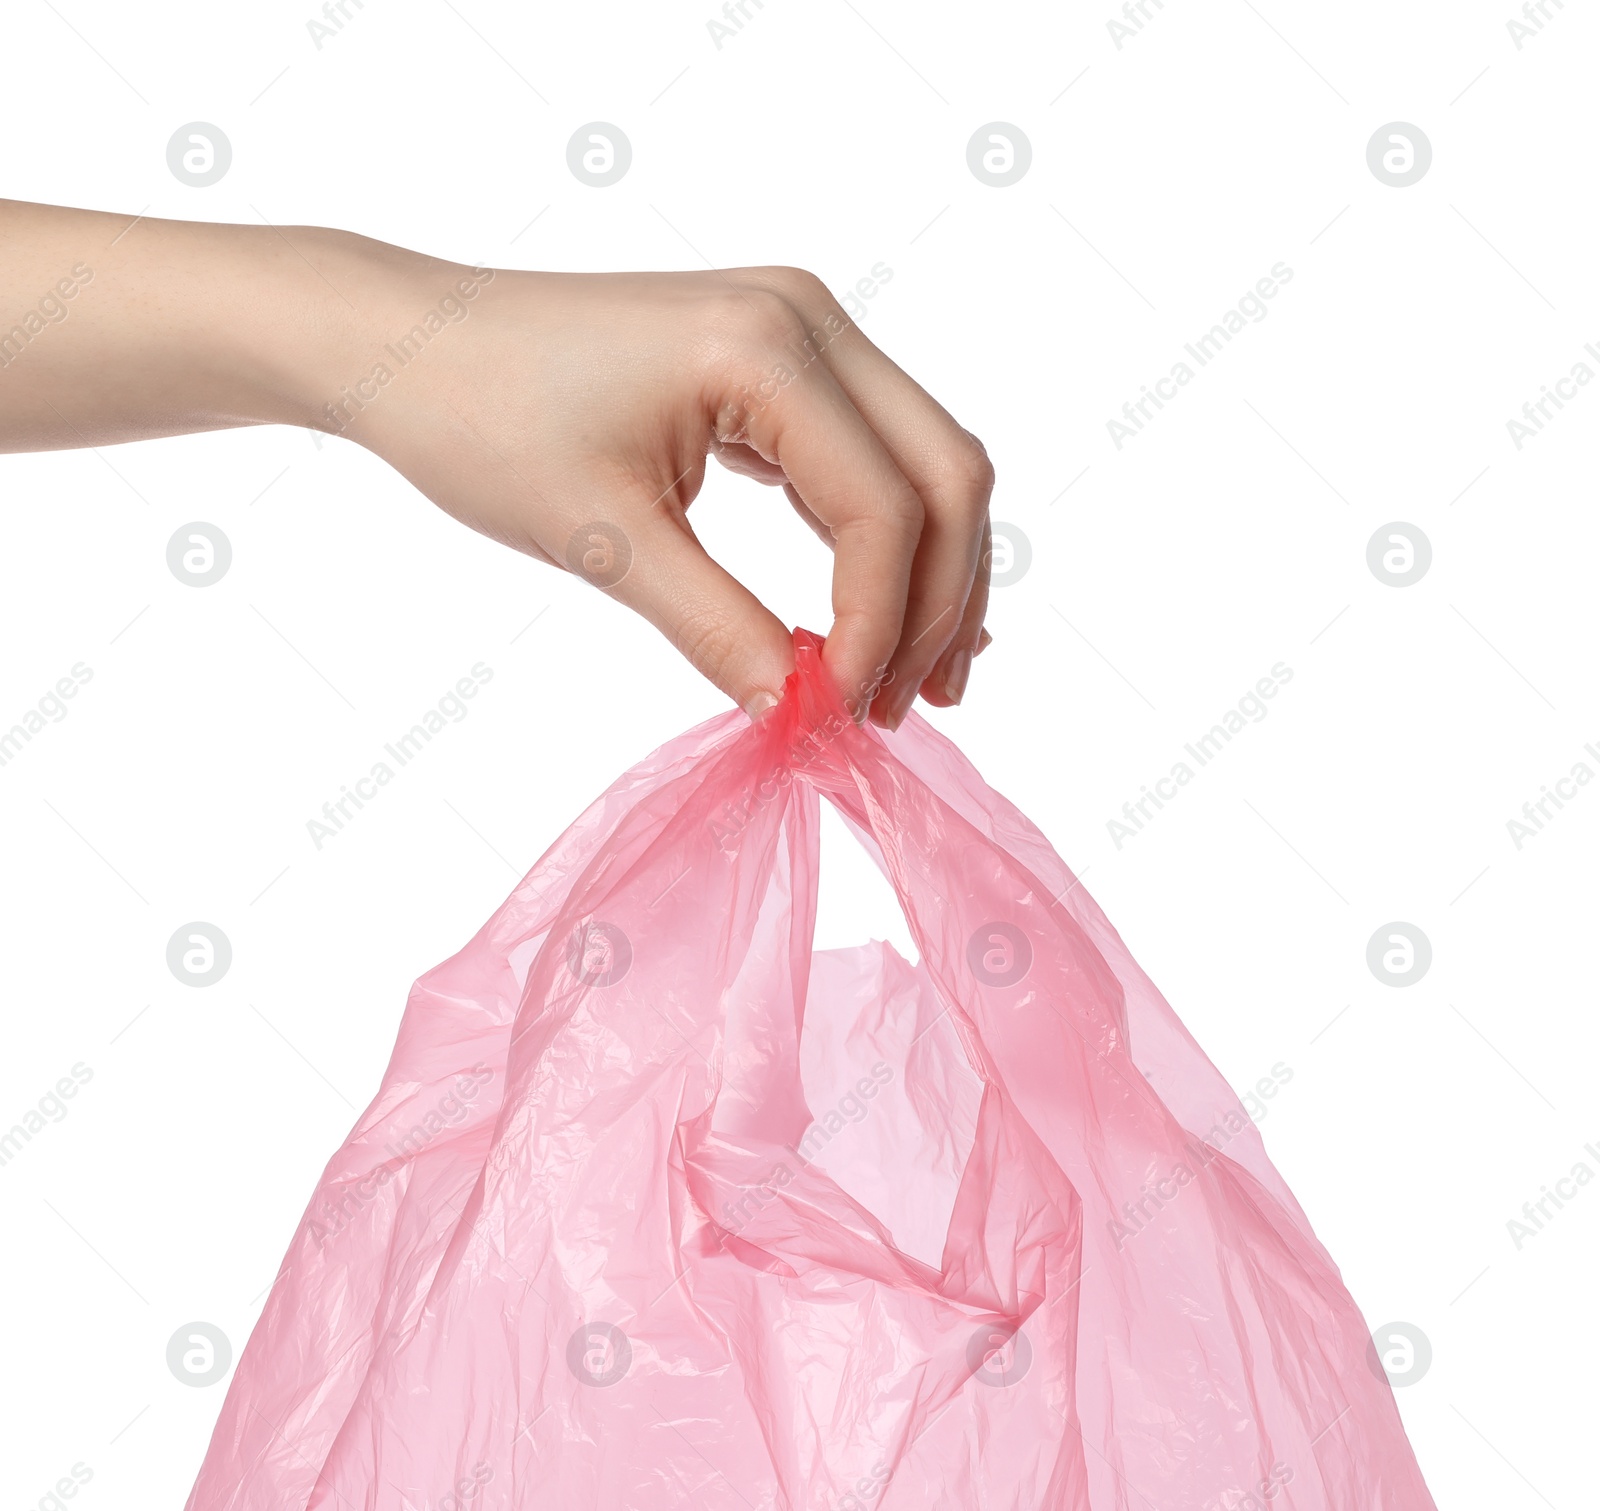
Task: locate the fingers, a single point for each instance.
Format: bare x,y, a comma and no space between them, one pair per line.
941,587
739,458
729,636
953,478
847,479
797,396
815,525
947,590
947,681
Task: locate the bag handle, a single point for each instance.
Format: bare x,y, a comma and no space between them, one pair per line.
997,1245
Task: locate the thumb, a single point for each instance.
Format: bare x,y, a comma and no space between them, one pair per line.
724,630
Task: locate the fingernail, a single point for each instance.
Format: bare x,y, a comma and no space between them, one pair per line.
758,703
985,640
877,694
955,675
899,705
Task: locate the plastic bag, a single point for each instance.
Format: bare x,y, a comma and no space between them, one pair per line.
657,1208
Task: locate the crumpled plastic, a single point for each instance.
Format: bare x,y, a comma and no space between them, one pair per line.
656,1207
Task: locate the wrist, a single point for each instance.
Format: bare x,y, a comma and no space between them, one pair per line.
364,313
324,299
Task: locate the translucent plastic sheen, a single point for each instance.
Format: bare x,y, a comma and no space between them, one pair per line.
658,1208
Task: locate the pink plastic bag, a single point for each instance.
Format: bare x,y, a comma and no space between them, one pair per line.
657,1208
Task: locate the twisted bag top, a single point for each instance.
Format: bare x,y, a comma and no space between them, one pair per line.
657,1207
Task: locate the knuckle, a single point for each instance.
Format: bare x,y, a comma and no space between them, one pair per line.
902,512
769,319
971,471
799,285
978,598
725,311
960,480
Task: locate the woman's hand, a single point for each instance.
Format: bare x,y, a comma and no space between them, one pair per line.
567,415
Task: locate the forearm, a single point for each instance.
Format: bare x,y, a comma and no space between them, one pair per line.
114,329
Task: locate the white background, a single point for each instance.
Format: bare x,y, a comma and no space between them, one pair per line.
1167,577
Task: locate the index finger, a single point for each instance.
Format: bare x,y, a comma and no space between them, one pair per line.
850,481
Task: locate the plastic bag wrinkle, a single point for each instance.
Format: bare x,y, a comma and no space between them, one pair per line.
635,1222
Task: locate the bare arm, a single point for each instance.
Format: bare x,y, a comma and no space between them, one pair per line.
568,415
